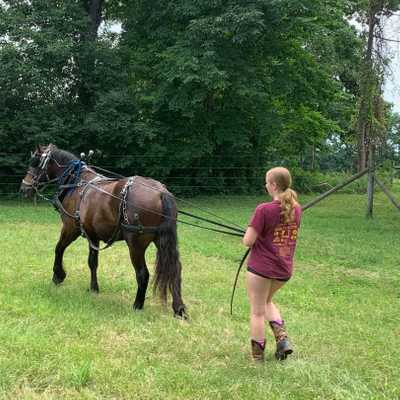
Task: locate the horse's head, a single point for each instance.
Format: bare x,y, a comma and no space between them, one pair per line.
40,169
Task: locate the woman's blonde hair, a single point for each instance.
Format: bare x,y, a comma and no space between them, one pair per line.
283,180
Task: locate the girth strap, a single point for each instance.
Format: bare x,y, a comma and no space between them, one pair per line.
76,216
116,232
140,229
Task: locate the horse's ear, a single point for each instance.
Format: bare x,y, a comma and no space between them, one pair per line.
39,148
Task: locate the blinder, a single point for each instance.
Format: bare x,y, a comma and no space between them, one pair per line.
38,167
44,160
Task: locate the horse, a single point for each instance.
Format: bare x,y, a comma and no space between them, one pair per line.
135,209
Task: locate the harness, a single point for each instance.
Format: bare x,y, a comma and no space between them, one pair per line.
123,220
70,180
136,226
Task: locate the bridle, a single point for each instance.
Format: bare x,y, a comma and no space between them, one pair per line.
37,173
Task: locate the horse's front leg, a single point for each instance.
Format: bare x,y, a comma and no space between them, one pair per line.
142,274
68,235
93,261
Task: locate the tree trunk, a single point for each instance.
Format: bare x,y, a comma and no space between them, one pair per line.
366,90
371,182
313,160
86,60
94,9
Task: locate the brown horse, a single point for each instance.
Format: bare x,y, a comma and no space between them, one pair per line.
136,209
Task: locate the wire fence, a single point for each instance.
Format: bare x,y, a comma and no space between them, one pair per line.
10,184
222,174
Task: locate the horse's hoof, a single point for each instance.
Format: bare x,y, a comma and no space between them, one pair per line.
137,307
183,317
94,288
57,280
181,314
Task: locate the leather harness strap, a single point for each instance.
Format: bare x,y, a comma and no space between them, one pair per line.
122,219
136,226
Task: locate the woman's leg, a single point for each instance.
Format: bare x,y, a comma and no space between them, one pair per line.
271,310
257,290
272,314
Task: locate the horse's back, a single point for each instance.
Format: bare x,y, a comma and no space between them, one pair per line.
102,211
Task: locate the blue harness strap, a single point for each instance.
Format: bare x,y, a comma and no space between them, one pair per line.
74,169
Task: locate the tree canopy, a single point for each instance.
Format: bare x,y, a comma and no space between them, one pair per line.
194,92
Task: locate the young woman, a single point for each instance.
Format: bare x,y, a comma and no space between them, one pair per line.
272,235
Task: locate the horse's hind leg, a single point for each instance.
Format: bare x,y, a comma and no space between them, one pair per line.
66,238
142,274
93,261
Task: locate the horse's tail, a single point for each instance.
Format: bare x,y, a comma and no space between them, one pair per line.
168,265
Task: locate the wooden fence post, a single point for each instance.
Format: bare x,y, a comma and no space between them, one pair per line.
371,178
388,194
335,189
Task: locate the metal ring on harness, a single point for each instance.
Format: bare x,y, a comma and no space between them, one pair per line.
136,227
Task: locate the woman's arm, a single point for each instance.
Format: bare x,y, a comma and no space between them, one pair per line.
250,237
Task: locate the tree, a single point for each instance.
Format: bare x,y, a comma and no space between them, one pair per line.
370,121
206,92
52,70
235,77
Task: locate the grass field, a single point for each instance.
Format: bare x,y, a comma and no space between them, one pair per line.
341,307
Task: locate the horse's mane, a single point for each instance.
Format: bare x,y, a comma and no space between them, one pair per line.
63,157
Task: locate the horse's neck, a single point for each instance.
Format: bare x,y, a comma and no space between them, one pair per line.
63,161
88,174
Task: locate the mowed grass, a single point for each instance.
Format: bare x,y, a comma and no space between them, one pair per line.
341,308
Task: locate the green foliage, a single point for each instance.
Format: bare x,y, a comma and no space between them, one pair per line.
198,94
215,78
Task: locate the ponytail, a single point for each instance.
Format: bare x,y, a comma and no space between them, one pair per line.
288,204
287,196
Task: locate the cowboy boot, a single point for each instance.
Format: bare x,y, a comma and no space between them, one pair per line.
283,346
257,351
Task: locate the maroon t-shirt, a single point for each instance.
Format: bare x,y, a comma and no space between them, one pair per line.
272,253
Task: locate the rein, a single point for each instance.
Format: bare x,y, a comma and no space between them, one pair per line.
234,233
237,276
237,228
75,168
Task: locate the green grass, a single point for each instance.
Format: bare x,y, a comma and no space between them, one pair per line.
341,308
